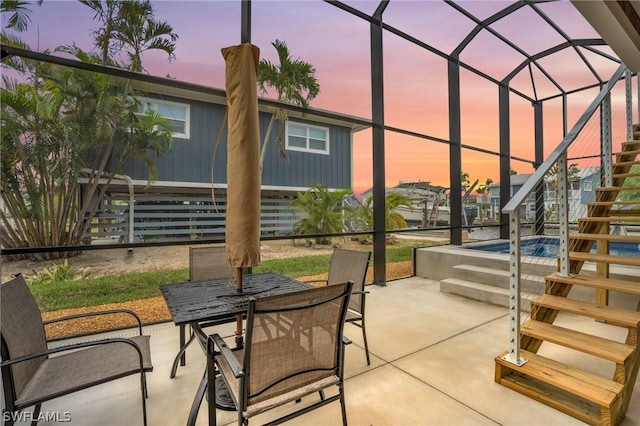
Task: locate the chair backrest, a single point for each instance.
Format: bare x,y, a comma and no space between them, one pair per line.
350,265
293,340
207,263
22,333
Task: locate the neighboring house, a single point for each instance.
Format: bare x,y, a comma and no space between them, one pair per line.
178,204
580,192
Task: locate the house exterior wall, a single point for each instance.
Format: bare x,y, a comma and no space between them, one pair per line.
190,160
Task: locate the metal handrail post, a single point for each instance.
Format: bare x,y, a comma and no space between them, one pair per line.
514,290
606,158
629,103
563,214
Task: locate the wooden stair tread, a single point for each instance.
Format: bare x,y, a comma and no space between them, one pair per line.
625,175
618,188
558,399
604,258
622,286
610,203
610,218
584,384
593,345
629,152
613,316
606,237
626,163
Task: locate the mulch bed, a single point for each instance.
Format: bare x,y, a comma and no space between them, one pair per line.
154,309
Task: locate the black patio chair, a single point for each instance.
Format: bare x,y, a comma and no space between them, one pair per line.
294,348
32,373
205,263
351,265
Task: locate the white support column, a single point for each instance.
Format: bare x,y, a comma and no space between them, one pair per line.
563,214
514,290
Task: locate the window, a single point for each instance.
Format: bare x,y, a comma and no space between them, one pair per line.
304,137
587,186
177,115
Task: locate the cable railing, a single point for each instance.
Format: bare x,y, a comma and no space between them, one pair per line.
544,212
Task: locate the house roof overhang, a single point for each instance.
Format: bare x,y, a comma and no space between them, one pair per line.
618,23
218,96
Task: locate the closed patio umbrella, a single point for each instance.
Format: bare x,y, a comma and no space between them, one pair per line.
243,161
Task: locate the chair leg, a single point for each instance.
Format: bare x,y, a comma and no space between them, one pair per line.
211,390
143,389
343,405
366,345
36,414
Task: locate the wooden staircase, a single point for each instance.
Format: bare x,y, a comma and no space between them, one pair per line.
587,396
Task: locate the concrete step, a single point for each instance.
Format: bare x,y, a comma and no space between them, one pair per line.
481,292
495,277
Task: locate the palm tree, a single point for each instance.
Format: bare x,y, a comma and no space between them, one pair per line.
130,26
71,124
19,10
323,209
363,214
483,191
107,13
293,80
138,31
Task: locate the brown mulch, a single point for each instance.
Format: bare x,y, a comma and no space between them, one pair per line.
154,309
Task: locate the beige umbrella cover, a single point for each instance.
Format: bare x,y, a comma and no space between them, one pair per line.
243,156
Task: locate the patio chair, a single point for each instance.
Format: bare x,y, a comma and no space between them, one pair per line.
205,263
293,348
32,373
351,265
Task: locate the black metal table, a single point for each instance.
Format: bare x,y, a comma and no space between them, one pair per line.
194,303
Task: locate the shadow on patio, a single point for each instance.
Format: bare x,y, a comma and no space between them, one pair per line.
431,364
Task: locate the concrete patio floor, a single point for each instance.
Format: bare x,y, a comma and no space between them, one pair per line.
431,364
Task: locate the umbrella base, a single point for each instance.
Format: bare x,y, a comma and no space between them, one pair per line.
223,396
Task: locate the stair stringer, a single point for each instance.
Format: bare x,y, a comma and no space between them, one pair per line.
626,373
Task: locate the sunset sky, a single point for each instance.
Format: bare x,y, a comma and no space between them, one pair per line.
337,44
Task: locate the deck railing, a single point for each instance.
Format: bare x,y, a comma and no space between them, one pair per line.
542,213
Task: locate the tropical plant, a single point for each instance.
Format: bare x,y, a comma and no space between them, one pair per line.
483,190
464,180
130,26
69,125
58,272
18,11
363,214
323,209
294,81
63,126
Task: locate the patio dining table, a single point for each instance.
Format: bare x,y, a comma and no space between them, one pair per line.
217,301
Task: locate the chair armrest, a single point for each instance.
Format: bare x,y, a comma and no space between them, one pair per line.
226,352
360,292
90,314
75,346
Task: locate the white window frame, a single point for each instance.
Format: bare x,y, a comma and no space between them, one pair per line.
306,149
587,186
187,120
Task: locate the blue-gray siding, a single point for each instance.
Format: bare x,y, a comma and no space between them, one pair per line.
190,160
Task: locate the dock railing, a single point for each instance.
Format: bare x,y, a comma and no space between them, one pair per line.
542,212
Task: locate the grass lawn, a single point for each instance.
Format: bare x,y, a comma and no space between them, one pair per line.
90,291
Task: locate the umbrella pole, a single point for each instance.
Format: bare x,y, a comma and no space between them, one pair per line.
239,339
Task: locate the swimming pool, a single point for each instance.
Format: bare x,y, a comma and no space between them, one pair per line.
548,247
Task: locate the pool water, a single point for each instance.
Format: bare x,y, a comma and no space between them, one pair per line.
548,247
